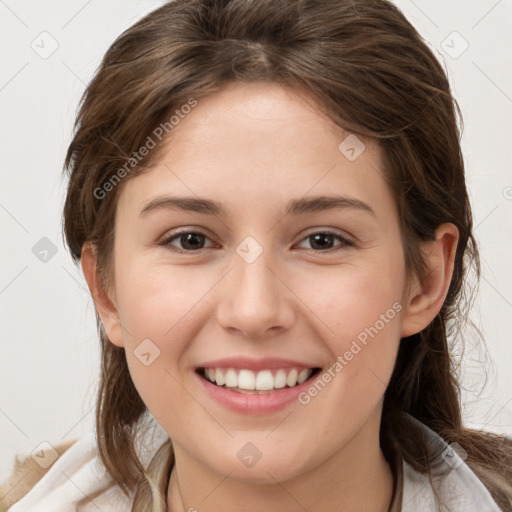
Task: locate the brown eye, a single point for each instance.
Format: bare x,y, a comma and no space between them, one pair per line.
323,241
190,241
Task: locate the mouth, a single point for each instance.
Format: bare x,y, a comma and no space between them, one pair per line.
241,380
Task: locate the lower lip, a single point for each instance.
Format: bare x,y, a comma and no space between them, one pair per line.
245,403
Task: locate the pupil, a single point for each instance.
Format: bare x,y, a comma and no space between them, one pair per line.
319,237
191,237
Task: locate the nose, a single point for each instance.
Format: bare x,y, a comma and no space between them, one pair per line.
255,300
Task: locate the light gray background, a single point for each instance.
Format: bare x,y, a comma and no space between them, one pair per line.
49,357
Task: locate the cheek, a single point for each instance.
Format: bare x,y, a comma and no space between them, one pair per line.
154,308
361,307
365,317
351,298
159,307
157,311
155,302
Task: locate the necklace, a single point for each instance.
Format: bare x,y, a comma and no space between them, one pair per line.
182,506
394,506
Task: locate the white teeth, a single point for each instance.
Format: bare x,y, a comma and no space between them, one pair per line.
219,377
231,379
303,375
246,379
291,380
280,379
265,380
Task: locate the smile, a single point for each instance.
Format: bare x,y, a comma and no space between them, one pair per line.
260,382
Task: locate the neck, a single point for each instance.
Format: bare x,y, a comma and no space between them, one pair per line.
355,478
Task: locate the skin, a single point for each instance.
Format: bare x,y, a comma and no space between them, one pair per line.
253,147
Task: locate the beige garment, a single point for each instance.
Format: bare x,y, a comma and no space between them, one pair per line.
27,471
78,473
161,467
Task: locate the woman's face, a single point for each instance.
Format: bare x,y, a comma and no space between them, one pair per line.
267,292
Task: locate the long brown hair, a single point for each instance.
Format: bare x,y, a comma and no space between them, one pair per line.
368,70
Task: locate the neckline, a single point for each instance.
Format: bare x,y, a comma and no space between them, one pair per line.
405,477
164,477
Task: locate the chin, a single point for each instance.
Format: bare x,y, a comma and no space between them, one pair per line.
276,465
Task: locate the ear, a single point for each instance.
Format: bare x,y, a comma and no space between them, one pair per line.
425,300
105,306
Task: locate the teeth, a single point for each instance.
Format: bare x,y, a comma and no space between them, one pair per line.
246,379
266,380
280,379
291,380
219,377
231,379
303,375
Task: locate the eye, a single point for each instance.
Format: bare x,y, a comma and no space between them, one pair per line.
191,241
322,240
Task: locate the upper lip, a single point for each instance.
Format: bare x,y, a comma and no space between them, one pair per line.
266,363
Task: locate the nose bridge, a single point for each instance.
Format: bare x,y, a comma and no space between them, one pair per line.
253,281
254,299
253,274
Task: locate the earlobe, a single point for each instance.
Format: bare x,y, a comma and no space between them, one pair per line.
426,299
104,305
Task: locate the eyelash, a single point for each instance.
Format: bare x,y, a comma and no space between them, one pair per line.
167,241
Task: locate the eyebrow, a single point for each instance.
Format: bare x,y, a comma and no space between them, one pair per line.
293,207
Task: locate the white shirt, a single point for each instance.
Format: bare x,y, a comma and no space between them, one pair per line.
79,472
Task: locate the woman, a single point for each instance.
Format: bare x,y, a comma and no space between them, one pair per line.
269,206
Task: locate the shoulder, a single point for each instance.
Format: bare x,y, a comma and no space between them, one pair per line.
453,483
28,470
60,484
73,477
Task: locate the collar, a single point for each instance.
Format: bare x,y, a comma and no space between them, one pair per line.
79,472
454,486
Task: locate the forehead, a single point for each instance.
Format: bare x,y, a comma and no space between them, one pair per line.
260,142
